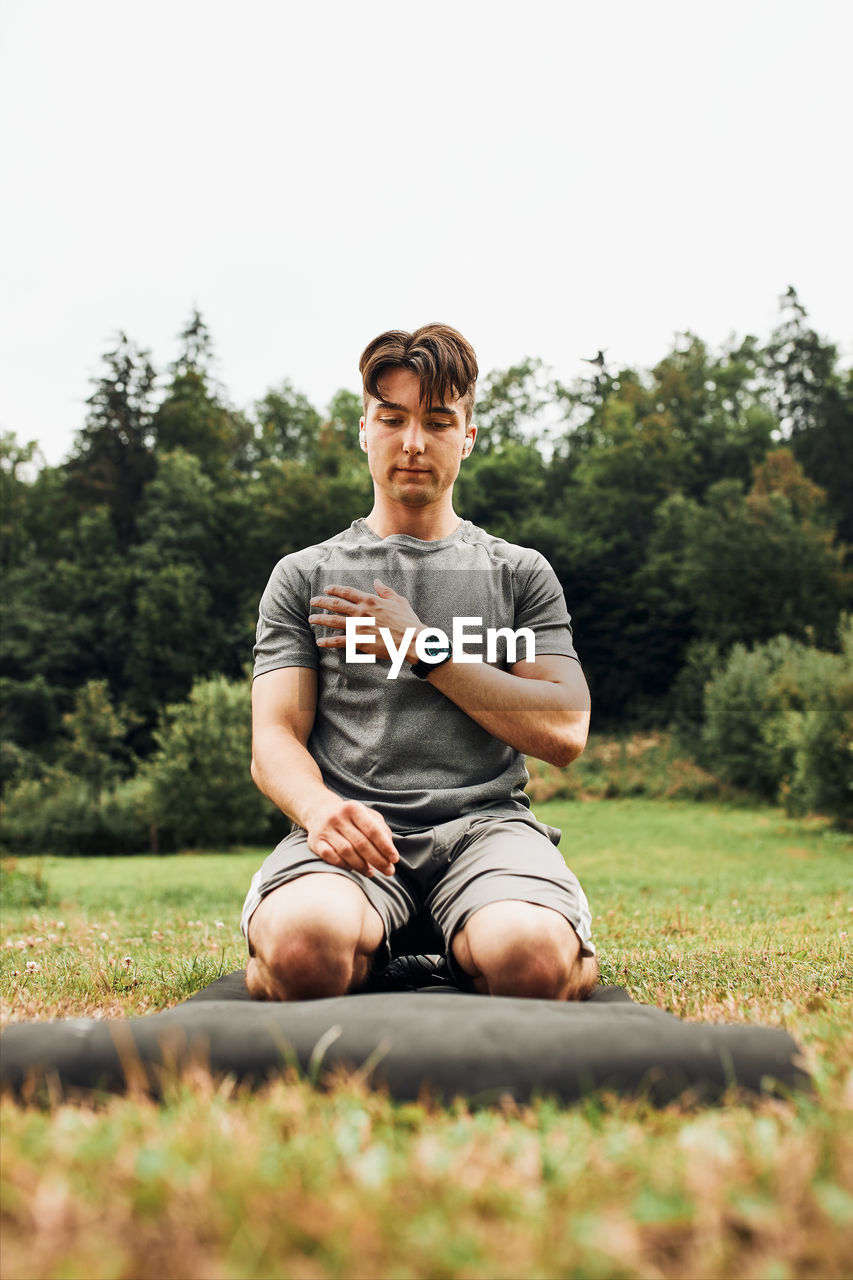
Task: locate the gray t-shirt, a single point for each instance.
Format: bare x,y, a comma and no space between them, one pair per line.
400,745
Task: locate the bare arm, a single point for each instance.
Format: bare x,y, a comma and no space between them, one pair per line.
342,832
541,708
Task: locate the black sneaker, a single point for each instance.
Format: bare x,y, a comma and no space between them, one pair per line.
414,973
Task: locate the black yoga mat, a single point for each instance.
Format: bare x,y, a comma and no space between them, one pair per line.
435,1039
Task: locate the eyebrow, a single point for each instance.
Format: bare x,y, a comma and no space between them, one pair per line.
434,408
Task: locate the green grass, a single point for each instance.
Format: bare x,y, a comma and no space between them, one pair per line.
735,914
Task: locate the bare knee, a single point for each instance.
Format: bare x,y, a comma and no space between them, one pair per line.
519,949
532,966
307,945
311,962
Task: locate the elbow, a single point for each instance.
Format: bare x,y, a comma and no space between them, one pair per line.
565,749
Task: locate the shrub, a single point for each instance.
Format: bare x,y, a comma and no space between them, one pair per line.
820,739
701,661
779,720
645,764
742,702
195,790
22,887
63,814
201,790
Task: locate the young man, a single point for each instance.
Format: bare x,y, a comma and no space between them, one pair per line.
400,763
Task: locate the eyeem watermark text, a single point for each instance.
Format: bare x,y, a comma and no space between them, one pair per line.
432,644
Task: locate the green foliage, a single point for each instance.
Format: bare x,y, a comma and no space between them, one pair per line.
747,566
62,813
16,461
71,805
701,660
28,713
113,459
814,402
202,793
288,425
22,887
92,744
644,764
512,407
675,522
499,489
819,738
779,721
193,415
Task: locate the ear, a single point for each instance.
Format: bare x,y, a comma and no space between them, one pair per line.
362,434
470,437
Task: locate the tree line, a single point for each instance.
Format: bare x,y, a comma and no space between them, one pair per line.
689,509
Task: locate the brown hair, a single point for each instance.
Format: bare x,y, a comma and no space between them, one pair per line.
443,360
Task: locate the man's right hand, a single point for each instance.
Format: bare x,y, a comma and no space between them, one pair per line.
346,833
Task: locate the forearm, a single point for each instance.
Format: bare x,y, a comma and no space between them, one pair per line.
539,717
286,772
540,708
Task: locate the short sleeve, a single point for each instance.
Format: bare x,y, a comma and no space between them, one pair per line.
541,606
284,636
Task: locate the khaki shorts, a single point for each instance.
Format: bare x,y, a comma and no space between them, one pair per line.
444,875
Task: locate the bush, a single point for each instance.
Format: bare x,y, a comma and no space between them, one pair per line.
701,661
779,720
196,790
22,887
645,764
73,805
744,703
201,790
63,814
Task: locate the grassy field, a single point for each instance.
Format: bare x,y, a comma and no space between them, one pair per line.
729,914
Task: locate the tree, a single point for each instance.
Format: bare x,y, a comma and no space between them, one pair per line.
181,600
288,425
113,458
193,416
500,488
814,402
92,743
17,463
751,566
512,407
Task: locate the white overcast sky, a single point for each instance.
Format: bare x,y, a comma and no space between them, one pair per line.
549,176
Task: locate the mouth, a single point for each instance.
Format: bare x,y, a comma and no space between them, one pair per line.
414,471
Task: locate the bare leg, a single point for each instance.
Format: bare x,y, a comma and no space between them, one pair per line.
313,937
520,949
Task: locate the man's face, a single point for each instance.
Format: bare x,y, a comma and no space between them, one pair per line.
413,450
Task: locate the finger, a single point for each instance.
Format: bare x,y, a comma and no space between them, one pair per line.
375,828
327,853
382,588
348,593
333,603
343,856
340,642
327,620
366,849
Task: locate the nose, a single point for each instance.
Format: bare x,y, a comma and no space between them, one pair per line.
414,438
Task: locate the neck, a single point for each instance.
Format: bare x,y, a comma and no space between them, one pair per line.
429,523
